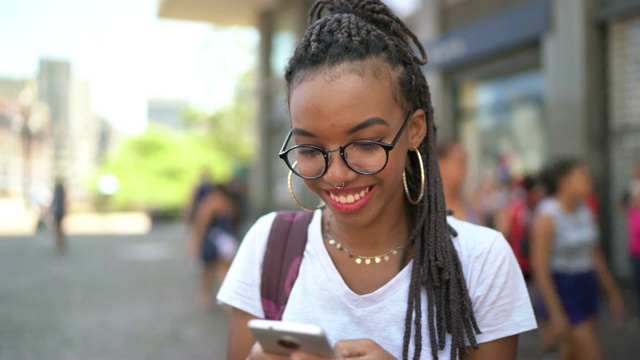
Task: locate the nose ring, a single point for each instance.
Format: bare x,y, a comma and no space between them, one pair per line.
339,187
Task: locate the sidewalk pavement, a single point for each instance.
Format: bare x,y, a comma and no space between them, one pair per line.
19,220
135,297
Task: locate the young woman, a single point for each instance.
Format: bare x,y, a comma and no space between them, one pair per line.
213,240
362,128
453,169
518,220
633,227
58,212
567,263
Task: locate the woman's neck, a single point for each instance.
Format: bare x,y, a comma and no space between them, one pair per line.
388,231
568,203
453,193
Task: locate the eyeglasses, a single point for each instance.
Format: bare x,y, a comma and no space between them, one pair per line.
365,157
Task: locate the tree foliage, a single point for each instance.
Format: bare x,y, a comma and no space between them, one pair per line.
158,169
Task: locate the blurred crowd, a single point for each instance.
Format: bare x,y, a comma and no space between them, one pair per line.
551,221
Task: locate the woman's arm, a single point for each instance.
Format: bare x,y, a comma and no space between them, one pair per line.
604,275
500,349
203,216
608,283
240,338
503,221
542,240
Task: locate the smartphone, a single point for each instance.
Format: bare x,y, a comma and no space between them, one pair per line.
283,338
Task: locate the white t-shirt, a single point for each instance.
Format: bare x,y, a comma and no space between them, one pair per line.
575,237
320,296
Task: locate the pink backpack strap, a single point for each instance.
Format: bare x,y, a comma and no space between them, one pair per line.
282,258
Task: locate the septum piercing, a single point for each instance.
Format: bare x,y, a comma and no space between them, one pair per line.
339,187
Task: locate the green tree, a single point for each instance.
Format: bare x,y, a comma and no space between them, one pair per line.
158,169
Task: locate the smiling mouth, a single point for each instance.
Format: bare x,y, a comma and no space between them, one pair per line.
349,198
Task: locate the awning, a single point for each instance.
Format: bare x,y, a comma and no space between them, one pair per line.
222,12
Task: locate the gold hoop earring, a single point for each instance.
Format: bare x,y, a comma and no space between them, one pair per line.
422,180
295,199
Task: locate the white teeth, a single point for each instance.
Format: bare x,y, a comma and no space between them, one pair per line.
349,198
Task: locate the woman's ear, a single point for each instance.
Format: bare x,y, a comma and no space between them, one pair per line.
417,128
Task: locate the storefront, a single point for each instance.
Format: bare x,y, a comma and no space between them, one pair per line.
522,82
622,22
496,90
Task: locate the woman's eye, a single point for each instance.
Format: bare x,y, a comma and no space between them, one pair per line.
365,146
308,152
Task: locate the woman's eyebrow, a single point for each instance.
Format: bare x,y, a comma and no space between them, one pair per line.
363,125
368,123
301,132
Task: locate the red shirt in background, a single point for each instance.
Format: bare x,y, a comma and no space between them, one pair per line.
520,217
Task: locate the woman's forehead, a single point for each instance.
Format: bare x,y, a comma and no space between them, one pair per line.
345,96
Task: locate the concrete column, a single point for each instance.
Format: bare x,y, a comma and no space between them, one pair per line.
573,54
565,60
261,178
427,28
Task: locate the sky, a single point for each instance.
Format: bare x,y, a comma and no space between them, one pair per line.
126,53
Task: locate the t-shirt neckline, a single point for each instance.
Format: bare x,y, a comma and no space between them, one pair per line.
339,285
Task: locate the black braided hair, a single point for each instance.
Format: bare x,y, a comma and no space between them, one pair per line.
367,31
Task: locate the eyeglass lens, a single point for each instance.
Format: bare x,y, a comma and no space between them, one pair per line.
361,156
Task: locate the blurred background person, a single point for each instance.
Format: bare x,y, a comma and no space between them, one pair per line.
634,183
58,210
567,263
516,226
213,240
204,187
453,169
633,228
492,198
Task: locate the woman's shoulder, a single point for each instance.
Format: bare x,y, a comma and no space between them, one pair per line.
470,232
475,242
548,206
259,231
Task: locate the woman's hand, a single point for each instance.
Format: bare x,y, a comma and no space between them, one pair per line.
559,325
616,307
193,249
347,349
258,354
364,349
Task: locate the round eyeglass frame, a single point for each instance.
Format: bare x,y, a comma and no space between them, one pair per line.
283,154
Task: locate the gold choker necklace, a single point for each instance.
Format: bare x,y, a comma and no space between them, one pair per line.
358,258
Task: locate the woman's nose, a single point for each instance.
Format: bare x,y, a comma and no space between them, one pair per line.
337,170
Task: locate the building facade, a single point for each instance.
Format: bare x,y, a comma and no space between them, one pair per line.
25,141
620,24
75,129
522,82
168,113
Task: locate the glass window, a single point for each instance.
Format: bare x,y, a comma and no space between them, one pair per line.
501,125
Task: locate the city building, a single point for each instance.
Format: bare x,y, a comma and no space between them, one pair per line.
75,129
518,82
25,141
167,112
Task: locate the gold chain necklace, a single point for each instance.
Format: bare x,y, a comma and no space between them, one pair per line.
358,258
